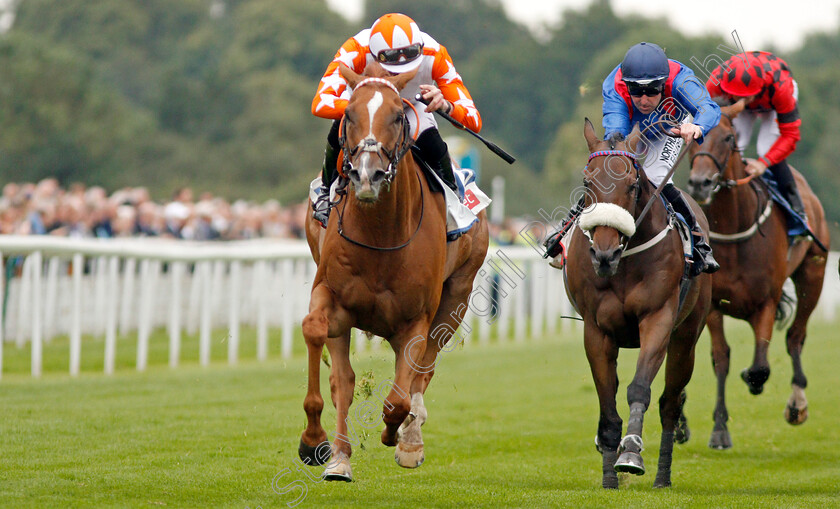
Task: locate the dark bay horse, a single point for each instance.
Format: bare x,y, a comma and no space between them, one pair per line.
384,267
749,235
624,280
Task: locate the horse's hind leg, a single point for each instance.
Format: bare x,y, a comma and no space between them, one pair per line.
808,280
720,438
409,348
342,385
314,448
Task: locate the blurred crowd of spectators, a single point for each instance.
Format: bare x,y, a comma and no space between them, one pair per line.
45,208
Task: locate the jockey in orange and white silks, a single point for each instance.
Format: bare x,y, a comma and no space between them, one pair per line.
397,43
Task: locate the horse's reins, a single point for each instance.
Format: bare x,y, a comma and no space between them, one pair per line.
370,144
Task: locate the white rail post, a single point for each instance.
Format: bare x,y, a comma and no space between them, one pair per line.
127,295
24,301
287,267
37,338
77,269
233,324
112,303
206,305
100,289
51,298
176,271
144,324
262,283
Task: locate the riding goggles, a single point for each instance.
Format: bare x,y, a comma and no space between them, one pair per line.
637,90
393,56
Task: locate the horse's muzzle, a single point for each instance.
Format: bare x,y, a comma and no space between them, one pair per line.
367,184
605,261
701,189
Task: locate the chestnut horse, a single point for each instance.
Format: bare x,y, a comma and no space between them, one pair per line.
749,235
385,267
625,280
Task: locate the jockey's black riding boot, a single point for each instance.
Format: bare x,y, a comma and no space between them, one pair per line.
787,186
434,151
321,207
552,242
702,250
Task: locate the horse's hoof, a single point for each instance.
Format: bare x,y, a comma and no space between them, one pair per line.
317,455
662,482
610,482
682,433
409,455
631,463
720,440
338,469
796,416
755,380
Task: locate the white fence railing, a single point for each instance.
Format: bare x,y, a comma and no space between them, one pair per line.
112,288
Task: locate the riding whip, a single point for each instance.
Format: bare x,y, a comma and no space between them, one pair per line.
492,146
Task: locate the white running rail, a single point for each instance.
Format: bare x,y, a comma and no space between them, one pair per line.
119,287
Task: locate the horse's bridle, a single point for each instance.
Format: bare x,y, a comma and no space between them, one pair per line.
721,166
371,144
636,186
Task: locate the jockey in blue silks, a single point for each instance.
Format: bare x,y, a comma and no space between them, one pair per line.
644,88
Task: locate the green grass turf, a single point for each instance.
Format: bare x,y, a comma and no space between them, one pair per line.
509,426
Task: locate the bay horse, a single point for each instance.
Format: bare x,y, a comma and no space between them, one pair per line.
384,267
624,279
749,235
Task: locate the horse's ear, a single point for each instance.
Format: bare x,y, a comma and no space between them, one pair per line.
349,75
401,80
632,140
734,109
589,133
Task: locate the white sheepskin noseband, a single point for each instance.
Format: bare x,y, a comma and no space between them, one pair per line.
608,214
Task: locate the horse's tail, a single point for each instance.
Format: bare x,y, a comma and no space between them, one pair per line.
787,305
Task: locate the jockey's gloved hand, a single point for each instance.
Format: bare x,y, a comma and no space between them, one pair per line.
553,246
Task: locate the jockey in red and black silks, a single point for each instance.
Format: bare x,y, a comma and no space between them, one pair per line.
766,84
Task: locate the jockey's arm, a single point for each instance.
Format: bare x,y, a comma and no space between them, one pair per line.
453,91
332,95
692,95
787,114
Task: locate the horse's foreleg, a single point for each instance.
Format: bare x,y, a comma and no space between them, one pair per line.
762,324
654,331
342,385
602,354
314,448
720,438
